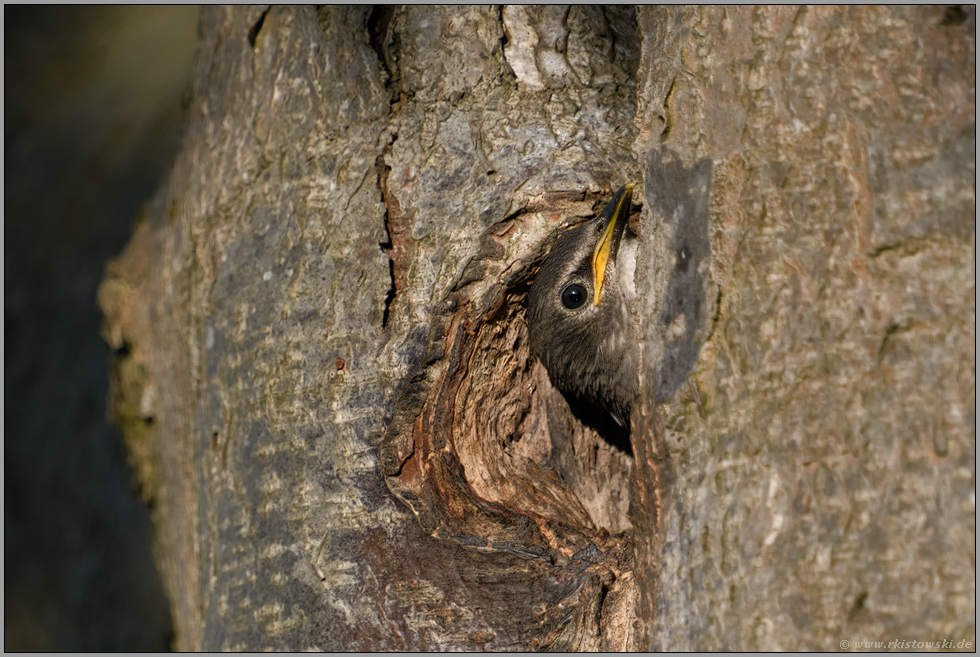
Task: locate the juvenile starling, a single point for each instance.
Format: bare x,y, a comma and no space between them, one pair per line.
579,324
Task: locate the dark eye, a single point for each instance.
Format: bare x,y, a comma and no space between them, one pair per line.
574,296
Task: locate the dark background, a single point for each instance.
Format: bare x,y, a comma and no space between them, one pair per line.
93,112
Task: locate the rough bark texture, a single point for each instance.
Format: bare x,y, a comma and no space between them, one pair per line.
351,446
824,451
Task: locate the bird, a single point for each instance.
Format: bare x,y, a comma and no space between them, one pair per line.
579,323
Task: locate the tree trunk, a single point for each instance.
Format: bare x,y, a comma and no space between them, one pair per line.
347,440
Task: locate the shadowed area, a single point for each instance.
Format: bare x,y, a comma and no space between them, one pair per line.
93,114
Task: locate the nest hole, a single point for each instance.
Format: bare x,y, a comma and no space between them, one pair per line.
520,444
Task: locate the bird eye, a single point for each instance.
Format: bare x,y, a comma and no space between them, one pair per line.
574,296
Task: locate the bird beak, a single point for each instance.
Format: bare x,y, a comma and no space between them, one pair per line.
612,223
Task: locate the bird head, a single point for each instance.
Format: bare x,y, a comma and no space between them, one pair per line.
578,319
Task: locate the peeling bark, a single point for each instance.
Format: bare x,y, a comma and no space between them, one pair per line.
354,449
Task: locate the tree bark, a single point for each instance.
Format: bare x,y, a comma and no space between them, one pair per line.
347,440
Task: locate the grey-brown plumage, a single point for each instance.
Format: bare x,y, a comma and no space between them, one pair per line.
580,326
